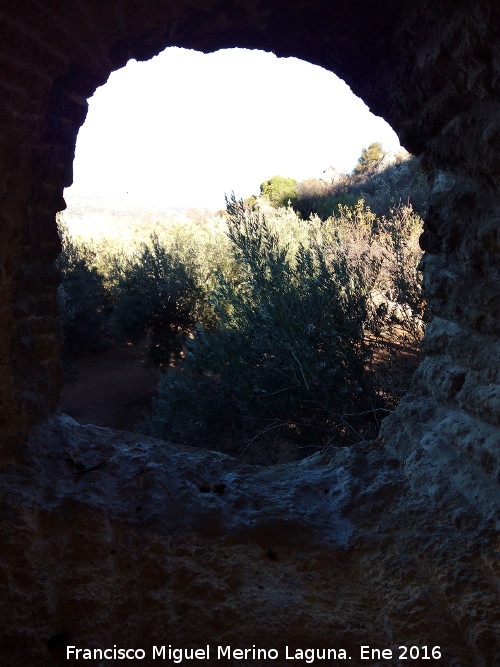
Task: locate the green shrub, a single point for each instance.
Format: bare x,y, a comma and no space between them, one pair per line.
400,238
272,322
279,190
289,345
82,299
156,296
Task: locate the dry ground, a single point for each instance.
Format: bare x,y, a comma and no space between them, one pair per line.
111,388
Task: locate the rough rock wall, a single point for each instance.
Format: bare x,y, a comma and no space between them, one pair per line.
451,418
114,539
429,68
389,555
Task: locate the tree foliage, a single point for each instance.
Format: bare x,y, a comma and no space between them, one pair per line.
81,298
264,322
289,346
369,157
279,190
156,296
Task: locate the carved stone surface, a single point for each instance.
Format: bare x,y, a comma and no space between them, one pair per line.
430,69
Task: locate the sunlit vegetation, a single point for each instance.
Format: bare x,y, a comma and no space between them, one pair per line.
272,319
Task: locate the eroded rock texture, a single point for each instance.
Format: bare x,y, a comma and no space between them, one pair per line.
118,539
387,543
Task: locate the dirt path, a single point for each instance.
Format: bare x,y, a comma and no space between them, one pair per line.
113,388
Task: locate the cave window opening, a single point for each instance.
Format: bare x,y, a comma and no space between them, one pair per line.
147,258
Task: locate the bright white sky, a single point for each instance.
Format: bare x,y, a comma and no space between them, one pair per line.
184,128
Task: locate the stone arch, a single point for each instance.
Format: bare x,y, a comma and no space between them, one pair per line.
431,70
406,62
